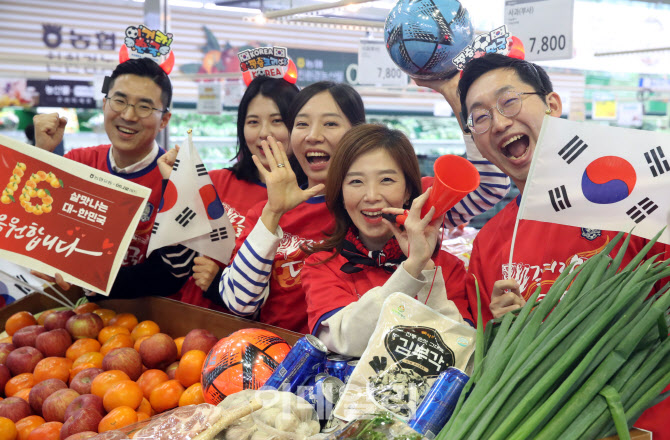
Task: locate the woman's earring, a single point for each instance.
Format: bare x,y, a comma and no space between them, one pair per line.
548,111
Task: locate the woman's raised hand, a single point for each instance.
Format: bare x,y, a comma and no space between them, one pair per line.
419,238
284,193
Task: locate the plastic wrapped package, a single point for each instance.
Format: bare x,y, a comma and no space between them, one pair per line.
459,242
381,426
197,422
283,416
411,345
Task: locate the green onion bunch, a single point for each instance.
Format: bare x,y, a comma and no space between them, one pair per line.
583,363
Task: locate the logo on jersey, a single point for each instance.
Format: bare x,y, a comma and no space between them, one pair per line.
147,213
529,277
591,234
289,260
236,219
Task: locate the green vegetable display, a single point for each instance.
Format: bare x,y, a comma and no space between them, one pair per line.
583,363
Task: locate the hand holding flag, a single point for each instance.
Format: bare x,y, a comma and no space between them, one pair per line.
191,213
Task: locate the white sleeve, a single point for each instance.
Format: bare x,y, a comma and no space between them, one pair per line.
347,332
245,283
493,186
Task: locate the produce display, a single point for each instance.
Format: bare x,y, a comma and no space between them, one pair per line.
581,364
76,373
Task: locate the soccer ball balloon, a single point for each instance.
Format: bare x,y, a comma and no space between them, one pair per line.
244,360
423,36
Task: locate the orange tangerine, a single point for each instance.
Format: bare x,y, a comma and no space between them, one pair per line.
116,341
144,328
127,320
111,330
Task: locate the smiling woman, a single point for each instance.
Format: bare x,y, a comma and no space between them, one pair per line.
366,258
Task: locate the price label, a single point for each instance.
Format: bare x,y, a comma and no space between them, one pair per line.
375,66
543,26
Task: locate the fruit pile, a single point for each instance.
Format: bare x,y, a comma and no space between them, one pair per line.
70,374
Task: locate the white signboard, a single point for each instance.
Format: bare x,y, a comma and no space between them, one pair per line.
630,114
376,67
209,98
543,26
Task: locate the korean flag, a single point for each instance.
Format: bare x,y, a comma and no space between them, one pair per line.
599,177
191,213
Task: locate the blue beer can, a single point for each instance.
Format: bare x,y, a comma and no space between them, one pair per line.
300,364
438,405
336,365
322,392
351,366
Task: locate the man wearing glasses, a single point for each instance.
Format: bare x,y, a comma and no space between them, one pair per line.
136,109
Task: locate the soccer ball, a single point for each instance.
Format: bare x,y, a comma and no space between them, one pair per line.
423,36
481,42
244,360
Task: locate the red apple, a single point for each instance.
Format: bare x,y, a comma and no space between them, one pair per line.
57,319
125,359
53,409
14,408
158,351
27,336
23,360
5,375
90,401
86,419
81,435
40,392
54,342
81,383
5,348
199,339
86,325
171,370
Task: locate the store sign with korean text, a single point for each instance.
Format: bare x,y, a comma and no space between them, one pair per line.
68,45
64,93
543,26
57,215
321,65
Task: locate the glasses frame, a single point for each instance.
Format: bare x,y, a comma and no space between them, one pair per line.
469,123
111,98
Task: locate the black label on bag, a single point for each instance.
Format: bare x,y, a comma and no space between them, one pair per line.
420,349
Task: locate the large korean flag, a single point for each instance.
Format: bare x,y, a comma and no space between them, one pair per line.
599,177
191,213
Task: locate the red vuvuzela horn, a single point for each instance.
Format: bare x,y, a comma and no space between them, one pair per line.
455,177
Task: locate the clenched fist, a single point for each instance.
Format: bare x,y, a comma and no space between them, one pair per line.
49,129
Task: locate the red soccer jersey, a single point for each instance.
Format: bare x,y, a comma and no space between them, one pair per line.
541,252
332,289
98,158
306,224
238,197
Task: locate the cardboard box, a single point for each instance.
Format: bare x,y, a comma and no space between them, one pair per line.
174,317
635,434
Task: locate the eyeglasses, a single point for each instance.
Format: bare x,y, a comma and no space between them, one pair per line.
142,110
508,105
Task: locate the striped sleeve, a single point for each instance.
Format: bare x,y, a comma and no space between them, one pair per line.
245,284
493,186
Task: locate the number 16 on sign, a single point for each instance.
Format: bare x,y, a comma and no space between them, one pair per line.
376,67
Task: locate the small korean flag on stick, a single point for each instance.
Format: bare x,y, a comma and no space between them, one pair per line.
599,177
191,213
